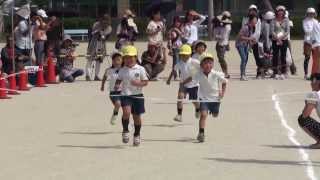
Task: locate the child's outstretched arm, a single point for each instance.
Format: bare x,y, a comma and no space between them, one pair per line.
139,83
223,89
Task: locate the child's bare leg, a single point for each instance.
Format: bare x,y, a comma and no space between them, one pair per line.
202,122
137,124
181,96
117,105
125,118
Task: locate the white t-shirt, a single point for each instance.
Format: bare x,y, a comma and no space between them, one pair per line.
187,70
209,87
126,75
153,27
307,25
315,35
191,30
112,74
314,98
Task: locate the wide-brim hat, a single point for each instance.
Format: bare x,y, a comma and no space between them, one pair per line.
227,21
128,13
280,8
67,37
23,12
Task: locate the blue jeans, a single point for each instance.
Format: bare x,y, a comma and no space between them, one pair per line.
243,52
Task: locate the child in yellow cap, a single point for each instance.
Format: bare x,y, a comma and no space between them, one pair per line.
133,78
212,87
187,67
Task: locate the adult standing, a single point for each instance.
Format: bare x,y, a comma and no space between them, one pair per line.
127,30
55,34
243,42
308,24
175,42
253,11
97,51
222,34
40,36
23,35
190,30
280,29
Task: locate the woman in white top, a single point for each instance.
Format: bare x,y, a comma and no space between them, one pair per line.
308,24
192,22
253,11
307,123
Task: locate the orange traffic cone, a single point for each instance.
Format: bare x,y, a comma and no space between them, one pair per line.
51,76
3,90
23,81
12,84
40,78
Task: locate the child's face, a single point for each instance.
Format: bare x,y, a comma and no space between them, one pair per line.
117,61
207,65
184,57
130,61
201,49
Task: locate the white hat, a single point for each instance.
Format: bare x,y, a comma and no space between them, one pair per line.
252,6
311,10
280,8
269,15
42,13
23,12
226,14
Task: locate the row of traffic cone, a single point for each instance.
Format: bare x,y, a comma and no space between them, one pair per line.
23,80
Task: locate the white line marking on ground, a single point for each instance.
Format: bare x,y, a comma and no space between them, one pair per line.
291,136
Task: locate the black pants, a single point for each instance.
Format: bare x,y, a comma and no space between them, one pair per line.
257,58
279,65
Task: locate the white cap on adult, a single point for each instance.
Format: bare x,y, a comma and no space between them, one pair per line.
269,15
280,8
253,6
311,10
42,13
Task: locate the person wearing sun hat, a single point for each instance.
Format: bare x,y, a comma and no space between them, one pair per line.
187,66
66,59
212,88
127,30
308,23
280,29
131,79
253,11
222,35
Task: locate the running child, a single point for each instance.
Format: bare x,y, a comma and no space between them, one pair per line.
187,67
111,74
212,87
133,78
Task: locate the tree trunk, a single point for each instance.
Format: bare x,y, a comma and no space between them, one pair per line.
210,17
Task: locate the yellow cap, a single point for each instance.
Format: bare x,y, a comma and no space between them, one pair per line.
206,56
185,50
129,51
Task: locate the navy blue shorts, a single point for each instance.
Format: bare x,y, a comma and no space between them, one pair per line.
115,96
136,102
193,92
212,107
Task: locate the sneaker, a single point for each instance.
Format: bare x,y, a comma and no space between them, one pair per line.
96,78
243,78
178,118
276,77
125,137
113,119
197,114
201,137
88,78
136,140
